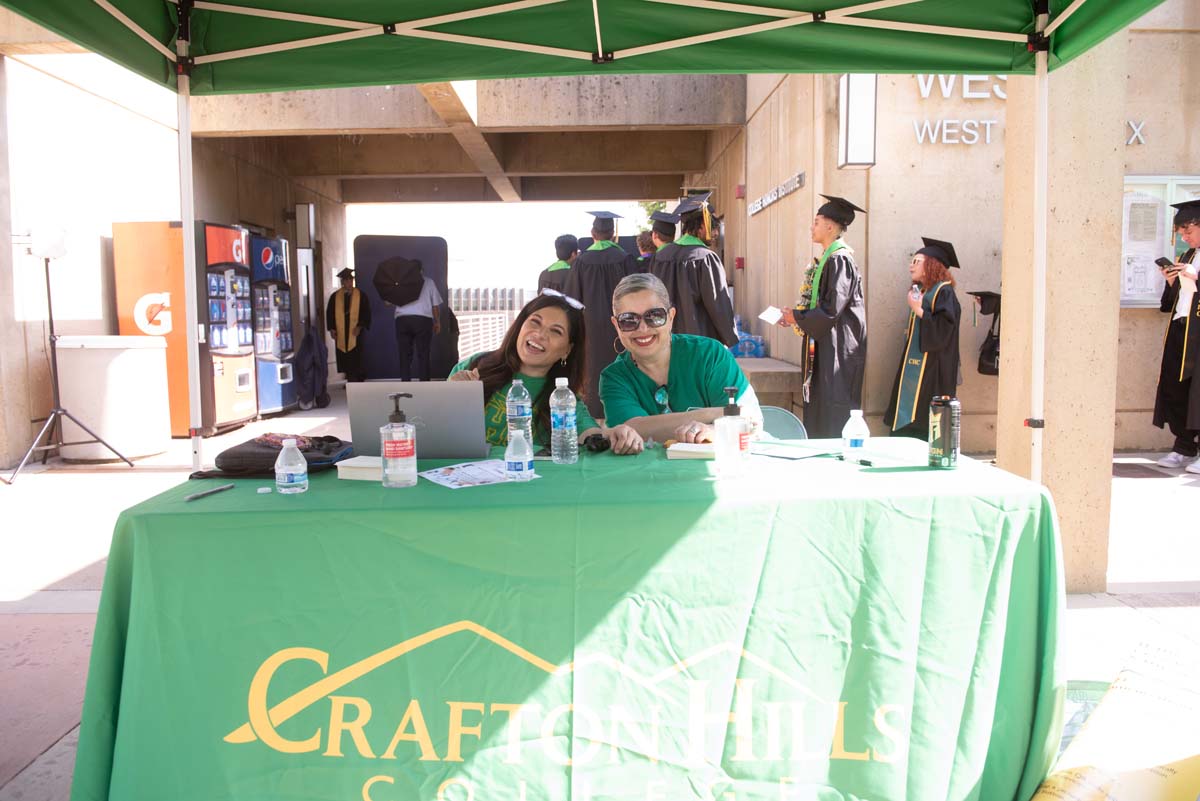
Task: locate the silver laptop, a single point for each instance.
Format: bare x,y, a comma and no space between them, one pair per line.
448,416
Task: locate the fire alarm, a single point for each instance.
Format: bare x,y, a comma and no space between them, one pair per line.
739,191
739,263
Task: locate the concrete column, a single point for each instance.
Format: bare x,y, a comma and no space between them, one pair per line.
1087,102
15,429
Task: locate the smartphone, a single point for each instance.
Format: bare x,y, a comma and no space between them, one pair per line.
1164,262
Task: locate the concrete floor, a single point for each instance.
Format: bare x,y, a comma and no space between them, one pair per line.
52,557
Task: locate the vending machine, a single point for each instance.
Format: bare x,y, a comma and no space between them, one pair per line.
148,261
273,345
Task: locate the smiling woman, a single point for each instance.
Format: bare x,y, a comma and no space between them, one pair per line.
545,342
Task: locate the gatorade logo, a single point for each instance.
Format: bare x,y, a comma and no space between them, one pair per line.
239,251
151,313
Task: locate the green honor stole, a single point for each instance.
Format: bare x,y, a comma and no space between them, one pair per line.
912,372
834,247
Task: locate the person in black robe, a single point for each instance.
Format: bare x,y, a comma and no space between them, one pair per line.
566,248
591,280
1177,402
929,365
832,318
695,277
347,316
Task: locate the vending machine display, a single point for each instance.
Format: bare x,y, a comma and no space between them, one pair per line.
271,334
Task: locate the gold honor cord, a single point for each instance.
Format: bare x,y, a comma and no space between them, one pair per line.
300,701
1187,326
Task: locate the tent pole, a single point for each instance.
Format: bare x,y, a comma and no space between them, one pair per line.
1041,180
187,212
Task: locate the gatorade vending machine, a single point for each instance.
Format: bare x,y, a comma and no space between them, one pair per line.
271,286
148,260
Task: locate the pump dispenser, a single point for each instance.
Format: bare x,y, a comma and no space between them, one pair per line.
398,446
731,438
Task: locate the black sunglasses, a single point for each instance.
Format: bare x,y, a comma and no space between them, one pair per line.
629,321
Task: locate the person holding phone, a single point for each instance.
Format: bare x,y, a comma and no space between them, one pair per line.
1177,404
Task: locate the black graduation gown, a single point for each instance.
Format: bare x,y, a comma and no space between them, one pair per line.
838,325
1176,403
554,279
591,280
939,343
695,279
349,362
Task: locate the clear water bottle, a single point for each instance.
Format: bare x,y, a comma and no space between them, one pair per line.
518,457
854,436
520,410
291,469
564,435
398,447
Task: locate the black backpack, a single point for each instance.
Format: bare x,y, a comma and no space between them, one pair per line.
256,458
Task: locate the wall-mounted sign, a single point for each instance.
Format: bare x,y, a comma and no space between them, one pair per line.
783,190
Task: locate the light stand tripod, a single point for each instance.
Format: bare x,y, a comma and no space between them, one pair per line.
52,430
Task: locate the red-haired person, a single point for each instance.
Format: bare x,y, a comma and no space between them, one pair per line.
930,363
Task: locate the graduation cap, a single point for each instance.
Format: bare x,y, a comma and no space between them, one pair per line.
692,203
1188,212
664,223
942,251
605,222
838,209
346,272
989,302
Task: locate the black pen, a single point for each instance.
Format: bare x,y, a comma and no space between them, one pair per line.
863,462
212,491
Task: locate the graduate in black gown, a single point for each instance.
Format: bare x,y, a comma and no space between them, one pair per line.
695,277
566,248
929,365
591,280
1177,403
347,316
832,318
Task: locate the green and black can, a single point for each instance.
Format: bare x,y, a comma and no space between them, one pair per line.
945,425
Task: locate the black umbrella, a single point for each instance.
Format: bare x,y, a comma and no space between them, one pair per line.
398,280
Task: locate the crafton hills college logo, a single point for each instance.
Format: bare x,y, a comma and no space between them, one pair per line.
701,722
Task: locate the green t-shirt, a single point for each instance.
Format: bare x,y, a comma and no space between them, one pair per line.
495,409
700,370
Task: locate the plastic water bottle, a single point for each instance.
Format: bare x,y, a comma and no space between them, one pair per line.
291,469
518,457
854,436
564,435
520,410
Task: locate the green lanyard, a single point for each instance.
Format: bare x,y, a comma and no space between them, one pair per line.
834,247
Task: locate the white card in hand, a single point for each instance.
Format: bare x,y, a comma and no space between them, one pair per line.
771,315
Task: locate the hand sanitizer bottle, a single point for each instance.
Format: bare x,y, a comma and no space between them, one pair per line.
398,447
731,439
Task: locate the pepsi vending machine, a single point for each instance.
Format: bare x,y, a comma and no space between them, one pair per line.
272,325
228,398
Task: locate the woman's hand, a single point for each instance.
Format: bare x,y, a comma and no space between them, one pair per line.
1170,273
694,432
625,440
465,375
788,319
914,303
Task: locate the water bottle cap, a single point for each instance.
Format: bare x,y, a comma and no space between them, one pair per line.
561,381
517,381
289,443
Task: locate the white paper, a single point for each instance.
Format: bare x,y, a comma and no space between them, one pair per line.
771,315
469,474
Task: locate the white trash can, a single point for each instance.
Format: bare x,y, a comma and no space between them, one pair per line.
117,386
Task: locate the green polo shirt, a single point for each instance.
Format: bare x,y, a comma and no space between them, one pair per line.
700,370
495,410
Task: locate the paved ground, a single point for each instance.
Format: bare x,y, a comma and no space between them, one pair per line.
57,524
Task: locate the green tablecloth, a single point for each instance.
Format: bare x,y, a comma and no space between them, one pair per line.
623,628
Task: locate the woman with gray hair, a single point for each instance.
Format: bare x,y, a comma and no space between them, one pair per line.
664,385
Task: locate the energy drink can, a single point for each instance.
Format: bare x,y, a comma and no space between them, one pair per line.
945,425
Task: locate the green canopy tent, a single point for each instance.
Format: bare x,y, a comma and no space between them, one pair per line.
202,47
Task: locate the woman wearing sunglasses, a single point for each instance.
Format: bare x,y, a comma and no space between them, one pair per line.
664,385
546,341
